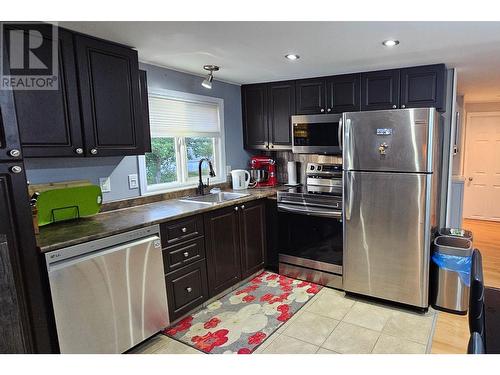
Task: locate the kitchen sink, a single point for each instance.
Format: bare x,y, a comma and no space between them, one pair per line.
212,199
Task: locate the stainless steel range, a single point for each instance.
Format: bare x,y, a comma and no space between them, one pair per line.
311,227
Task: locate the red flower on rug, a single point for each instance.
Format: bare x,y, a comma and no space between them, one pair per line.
244,351
248,289
212,323
211,340
313,289
257,338
279,298
266,297
183,325
303,284
285,313
286,288
272,277
248,298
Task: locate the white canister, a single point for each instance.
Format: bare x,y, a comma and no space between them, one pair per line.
291,169
241,179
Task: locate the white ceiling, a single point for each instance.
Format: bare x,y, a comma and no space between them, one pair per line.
253,51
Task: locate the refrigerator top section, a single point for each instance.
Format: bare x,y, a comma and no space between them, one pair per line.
403,140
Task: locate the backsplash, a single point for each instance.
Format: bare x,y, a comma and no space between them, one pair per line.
283,157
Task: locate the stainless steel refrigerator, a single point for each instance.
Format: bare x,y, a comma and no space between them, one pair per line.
392,161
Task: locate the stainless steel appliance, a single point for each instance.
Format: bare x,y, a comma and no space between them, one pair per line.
109,294
391,184
310,228
317,134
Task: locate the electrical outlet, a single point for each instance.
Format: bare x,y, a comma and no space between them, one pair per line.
105,184
133,181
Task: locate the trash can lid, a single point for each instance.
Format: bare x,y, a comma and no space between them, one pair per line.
453,246
455,232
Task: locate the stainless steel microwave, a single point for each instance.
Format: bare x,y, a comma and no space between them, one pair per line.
317,134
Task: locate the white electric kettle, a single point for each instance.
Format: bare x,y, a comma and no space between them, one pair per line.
241,179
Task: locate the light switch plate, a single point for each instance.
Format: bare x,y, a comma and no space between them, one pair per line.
133,181
105,184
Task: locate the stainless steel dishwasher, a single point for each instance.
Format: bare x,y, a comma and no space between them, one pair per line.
108,294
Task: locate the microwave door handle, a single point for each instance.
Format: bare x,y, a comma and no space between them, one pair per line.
340,134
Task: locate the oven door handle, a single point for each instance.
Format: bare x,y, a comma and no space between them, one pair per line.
307,211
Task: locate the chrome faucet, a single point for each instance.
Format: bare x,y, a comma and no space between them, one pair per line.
201,186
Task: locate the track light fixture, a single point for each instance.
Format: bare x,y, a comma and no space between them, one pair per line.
207,83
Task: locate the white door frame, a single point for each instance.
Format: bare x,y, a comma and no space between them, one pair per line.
470,116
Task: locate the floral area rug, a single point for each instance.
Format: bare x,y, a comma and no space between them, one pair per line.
243,319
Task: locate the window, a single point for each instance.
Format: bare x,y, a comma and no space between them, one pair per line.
184,129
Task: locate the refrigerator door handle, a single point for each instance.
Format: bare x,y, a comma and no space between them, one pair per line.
340,134
348,195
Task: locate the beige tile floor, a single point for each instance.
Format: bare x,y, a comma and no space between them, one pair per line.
332,323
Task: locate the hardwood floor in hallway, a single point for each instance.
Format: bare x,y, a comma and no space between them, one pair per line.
452,331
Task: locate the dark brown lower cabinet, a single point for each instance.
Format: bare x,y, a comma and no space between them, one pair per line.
253,237
235,241
222,245
186,289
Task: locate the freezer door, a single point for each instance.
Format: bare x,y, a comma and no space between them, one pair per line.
387,235
109,300
396,140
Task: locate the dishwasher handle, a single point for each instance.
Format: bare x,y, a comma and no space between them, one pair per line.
56,265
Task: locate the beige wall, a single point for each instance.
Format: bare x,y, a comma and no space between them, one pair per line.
482,107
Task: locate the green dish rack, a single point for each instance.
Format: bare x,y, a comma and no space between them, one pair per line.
68,204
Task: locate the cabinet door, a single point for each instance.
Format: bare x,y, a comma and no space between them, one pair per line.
255,129
423,86
380,90
281,99
343,93
253,237
310,96
32,319
110,98
143,86
49,120
222,245
9,137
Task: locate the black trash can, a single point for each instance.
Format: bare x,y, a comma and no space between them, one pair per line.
456,232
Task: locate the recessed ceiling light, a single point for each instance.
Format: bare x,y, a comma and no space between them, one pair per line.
292,56
390,43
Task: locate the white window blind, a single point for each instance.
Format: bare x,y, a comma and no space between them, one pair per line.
171,117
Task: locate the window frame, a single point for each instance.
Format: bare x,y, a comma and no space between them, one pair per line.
180,145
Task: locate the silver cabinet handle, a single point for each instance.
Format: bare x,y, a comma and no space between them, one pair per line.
184,230
186,254
329,110
243,207
14,153
322,110
403,106
236,208
16,169
93,151
189,289
394,106
79,151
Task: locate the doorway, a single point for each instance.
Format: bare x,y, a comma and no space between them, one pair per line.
482,166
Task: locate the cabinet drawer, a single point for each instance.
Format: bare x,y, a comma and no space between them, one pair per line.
181,230
183,254
186,289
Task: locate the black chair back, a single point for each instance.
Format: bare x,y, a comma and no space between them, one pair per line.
476,344
476,296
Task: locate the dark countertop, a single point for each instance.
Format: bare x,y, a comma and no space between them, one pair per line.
56,236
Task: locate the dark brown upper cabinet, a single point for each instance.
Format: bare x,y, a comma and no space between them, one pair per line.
10,147
380,90
222,245
281,100
49,120
423,86
254,106
143,87
343,93
310,96
110,97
